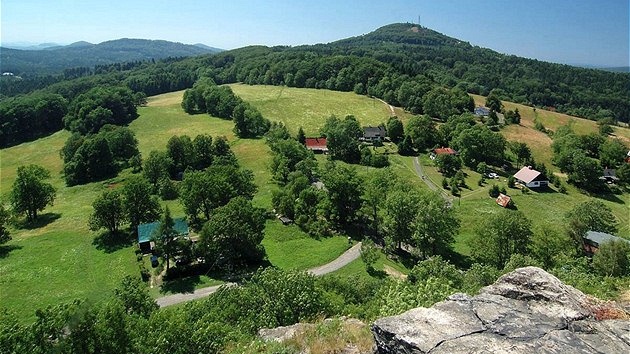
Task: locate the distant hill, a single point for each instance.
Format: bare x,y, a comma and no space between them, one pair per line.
54,60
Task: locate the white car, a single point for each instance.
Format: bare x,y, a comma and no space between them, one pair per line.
493,175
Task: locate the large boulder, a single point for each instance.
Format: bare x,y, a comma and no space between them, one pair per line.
525,311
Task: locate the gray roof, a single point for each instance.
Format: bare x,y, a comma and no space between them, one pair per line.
598,238
374,132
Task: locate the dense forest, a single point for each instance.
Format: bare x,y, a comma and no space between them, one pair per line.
83,54
406,65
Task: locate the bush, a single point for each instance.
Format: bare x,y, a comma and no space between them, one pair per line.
511,181
444,183
481,181
494,191
168,189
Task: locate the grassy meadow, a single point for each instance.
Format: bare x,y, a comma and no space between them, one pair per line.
59,259
309,108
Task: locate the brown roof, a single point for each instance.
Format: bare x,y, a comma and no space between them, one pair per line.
503,200
443,151
526,174
316,143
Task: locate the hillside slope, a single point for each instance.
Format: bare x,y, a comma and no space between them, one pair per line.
84,54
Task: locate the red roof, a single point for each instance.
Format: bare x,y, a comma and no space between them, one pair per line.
443,151
503,200
316,143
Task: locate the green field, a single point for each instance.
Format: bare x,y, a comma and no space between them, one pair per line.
309,108
59,260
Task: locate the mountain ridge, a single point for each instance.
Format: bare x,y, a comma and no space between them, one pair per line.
54,60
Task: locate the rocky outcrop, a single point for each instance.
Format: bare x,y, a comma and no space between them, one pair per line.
525,311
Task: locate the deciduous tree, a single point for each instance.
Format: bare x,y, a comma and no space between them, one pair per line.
30,193
139,205
500,236
108,212
233,236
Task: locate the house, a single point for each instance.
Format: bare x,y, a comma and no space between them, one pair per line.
442,151
504,200
594,239
482,111
372,134
609,175
146,233
317,145
531,178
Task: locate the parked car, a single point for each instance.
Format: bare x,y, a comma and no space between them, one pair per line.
493,175
154,261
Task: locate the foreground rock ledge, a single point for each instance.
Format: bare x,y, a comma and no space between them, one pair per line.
525,311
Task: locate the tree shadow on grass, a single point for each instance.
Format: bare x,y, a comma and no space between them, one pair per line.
6,249
376,273
112,242
181,285
457,259
610,197
41,221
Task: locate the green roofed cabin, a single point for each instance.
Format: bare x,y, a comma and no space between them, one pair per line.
146,231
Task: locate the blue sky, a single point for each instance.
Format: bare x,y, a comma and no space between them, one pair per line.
592,32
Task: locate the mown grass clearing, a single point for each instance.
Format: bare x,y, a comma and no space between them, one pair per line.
309,108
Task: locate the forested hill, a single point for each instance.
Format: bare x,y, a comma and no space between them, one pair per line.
409,66
84,54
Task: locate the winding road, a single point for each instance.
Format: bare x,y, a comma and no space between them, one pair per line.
348,256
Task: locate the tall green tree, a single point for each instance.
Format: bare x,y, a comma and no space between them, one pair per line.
135,297
202,151
613,258
434,226
301,137
140,206
203,191
181,152
395,129
500,236
401,208
165,235
5,236
343,138
233,236
156,167
493,102
345,188
612,153
592,215
108,212
30,193
422,131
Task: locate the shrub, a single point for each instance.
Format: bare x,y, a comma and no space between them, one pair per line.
511,181
494,191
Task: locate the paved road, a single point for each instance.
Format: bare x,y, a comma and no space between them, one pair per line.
348,256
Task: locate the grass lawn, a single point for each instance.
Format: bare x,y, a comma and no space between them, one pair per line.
290,248
309,108
384,266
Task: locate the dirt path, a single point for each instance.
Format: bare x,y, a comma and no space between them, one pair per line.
348,256
429,182
392,112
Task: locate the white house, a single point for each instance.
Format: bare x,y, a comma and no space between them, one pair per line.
530,177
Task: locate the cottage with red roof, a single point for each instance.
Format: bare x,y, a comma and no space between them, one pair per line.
531,178
317,145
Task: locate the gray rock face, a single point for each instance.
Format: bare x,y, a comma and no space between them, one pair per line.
526,311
